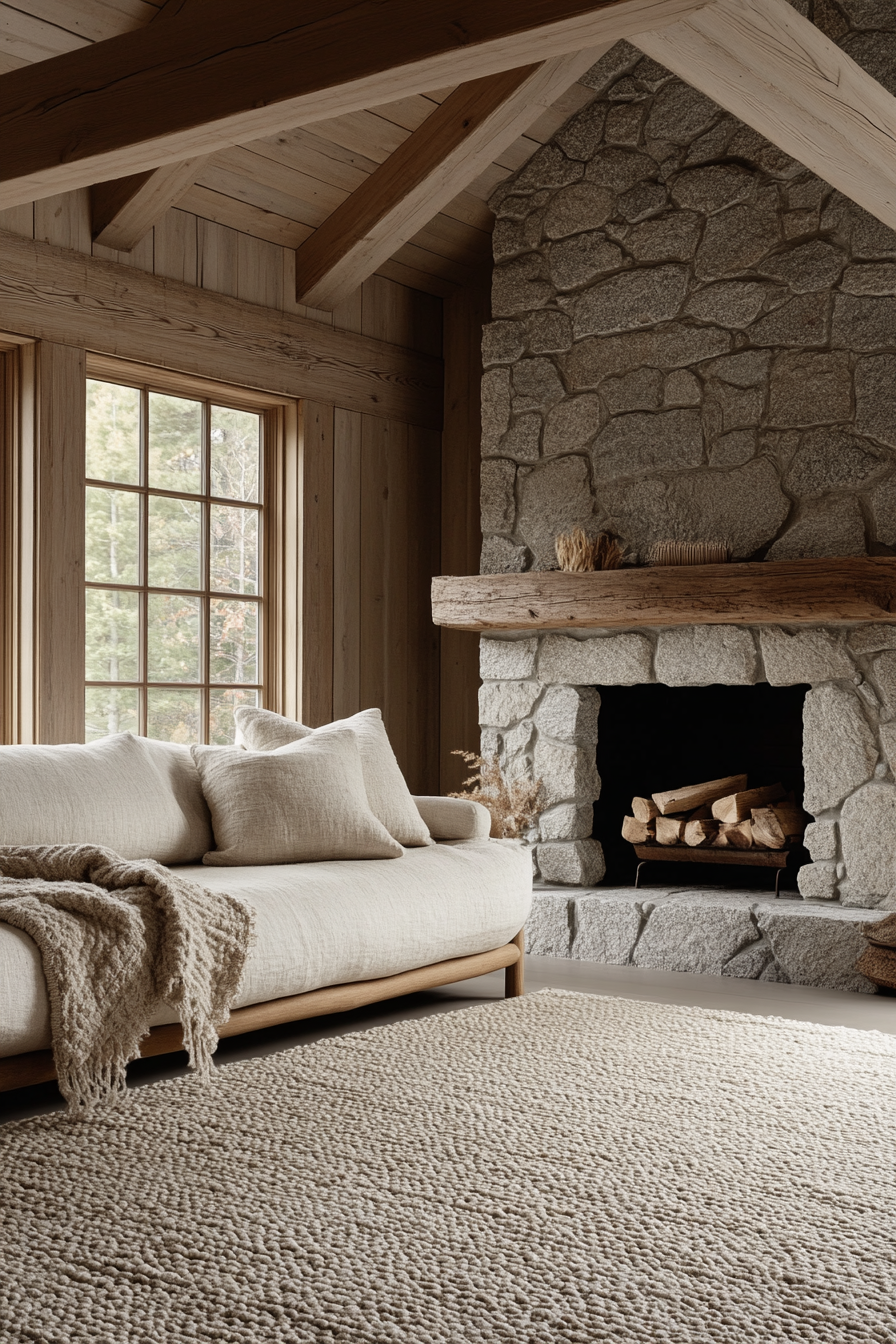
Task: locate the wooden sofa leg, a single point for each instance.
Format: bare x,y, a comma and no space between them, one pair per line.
514,975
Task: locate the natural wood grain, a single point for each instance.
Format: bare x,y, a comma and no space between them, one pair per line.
514,975
692,796
37,1065
637,831
447,151
54,294
738,806
64,220
778,72
750,858
347,565
317,563
189,86
834,591
123,211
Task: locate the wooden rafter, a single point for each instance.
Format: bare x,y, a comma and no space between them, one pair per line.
224,72
761,60
438,160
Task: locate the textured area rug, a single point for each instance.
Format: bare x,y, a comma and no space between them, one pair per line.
556,1168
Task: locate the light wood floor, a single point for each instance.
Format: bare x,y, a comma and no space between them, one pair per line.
865,1012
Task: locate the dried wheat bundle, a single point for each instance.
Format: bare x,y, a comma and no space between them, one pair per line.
689,553
514,804
577,553
608,554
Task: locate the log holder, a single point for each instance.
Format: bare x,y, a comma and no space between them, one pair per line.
746,858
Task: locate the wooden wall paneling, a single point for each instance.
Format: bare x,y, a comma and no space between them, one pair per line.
396,561
423,530
292,569
288,302
465,314
9,360
259,272
217,256
18,219
176,247
282,560
244,217
59,589
349,316
374,527
348,563
317,563
426,324
64,220
123,211
141,257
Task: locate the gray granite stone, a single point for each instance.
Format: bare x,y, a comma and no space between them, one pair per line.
738,237
577,209
549,332
870,13
520,286
728,407
502,342
621,58
870,278
883,670
815,265
887,734
867,831
806,655
872,638
751,962
747,368
817,881
619,169
749,144
799,322
883,504
506,659
680,113
607,925
816,945
577,863
673,237
700,655
521,442
810,388
834,526
549,167
572,424
549,927
638,298
711,146
699,937
552,498
642,201
583,258
863,322
830,459
569,713
733,449
495,407
515,237
536,385
630,445
672,346
516,748
581,137
567,772
640,390
502,703
821,841
876,53
730,303
568,821
839,748
498,504
713,187
682,388
501,556
876,398
609,660
624,124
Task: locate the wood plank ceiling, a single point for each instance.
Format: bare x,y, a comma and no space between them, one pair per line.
282,188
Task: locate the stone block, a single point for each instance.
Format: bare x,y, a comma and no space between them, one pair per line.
630,445
575,863
834,526
570,714
636,298
497,500
641,201
839,748
883,670
883,503
578,209
821,840
800,321
730,303
550,332
495,407
807,655
607,925
680,113
502,342
567,773
831,459
536,385
671,238
620,169
733,449
863,322
868,838
670,347
682,388
548,928
695,935
876,398
512,237
818,881
810,266
506,659
713,187
609,660
872,278
875,53
748,368
516,753
738,237
624,124
621,58
520,286
700,655
640,390
572,424
870,13
521,440
728,407
548,167
581,137
872,638
502,703
810,388
568,821
499,555
581,259
553,498
816,945
751,962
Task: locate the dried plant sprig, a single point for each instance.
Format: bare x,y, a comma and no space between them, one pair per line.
577,553
514,804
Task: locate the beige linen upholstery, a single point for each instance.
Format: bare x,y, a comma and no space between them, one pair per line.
141,798
454,818
300,803
326,924
390,798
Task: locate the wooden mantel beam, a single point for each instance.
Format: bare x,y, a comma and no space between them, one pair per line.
761,60
453,146
223,72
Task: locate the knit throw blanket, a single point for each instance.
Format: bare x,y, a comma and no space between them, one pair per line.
118,939
878,961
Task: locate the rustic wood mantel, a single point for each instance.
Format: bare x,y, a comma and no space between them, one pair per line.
832,591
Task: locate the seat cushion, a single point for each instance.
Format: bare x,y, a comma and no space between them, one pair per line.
326,924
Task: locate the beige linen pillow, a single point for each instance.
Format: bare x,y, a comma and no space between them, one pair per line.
389,796
301,803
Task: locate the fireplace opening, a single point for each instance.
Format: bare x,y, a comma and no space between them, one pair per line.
652,738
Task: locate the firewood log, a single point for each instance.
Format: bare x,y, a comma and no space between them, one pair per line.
690,796
644,809
737,806
767,832
791,819
703,813
638,832
700,833
669,830
734,835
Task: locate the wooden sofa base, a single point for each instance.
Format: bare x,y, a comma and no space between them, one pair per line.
37,1065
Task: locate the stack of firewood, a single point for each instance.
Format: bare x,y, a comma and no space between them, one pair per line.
722,813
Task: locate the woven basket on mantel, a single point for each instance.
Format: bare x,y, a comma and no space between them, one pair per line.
689,553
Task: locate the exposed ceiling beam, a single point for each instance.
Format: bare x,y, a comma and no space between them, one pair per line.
123,211
451,148
761,60
223,72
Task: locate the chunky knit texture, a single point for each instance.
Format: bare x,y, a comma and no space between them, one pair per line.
556,1169
118,938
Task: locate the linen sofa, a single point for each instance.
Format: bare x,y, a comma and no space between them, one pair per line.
329,935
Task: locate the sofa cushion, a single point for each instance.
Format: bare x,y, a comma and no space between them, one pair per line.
390,798
301,803
141,798
454,818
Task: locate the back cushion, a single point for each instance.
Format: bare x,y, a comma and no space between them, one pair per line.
141,798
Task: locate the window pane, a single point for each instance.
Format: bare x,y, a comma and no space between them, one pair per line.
175,543
221,727
234,559
112,627
173,638
173,716
175,443
233,641
110,709
235,447
113,432
112,550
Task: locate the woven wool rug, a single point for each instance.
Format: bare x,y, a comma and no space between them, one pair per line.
561,1167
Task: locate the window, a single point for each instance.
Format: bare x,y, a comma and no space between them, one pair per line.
174,602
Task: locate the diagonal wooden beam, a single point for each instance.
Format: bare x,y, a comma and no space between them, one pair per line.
761,60
452,147
224,72
123,211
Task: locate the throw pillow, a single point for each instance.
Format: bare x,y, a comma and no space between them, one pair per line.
301,803
389,796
